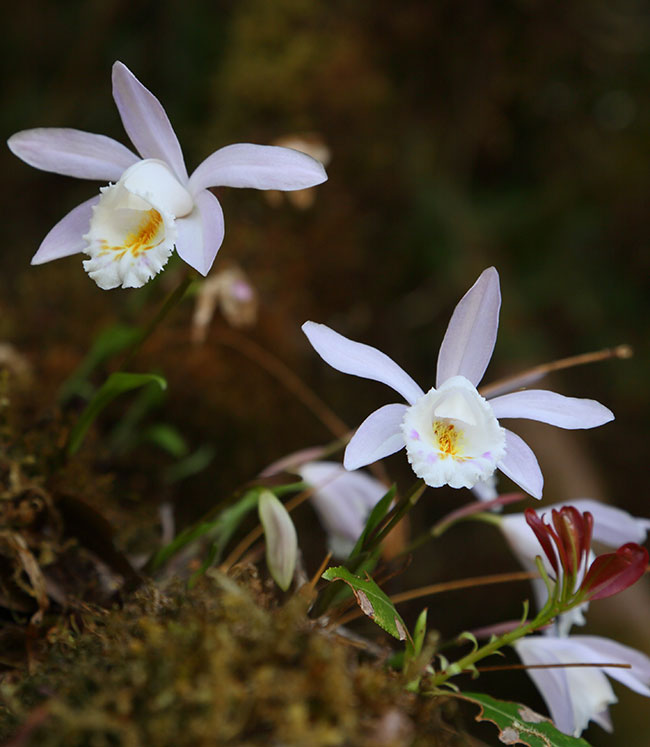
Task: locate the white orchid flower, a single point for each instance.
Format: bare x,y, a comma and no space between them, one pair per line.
612,527
577,695
151,204
452,434
343,500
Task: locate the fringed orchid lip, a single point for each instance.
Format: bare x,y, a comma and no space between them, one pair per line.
452,437
133,228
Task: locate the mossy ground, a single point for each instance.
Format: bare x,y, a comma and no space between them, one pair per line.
219,664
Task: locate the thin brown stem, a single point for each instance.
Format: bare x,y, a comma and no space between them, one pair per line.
465,583
282,373
507,667
295,386
538,372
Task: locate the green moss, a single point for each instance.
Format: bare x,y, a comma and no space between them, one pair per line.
211,666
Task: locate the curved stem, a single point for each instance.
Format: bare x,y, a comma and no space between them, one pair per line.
172,300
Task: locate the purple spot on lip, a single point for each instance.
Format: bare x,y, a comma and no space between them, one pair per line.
487,455
431,458
414,434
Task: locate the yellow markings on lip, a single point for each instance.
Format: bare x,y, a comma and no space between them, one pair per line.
448,439
138,241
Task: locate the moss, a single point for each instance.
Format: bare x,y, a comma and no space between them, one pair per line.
215,665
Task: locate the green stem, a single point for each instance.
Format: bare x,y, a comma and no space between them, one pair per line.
172,300
551,609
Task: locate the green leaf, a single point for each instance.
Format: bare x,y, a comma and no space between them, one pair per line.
109,342
167,438
518,724
116,384
380,509
372,600
192,464
414,647
219,529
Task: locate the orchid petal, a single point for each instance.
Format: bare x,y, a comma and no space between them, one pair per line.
84,155
200,234
357,359
154,182
574,694
67,236
145,121
379,436
596,649
469,340
552,683
342,499
259,167
520,465
552,408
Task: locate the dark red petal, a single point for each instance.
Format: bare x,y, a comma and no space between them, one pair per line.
613,572
542,533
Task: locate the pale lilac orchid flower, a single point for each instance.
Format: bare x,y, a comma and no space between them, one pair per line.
151,204
452,434
612,527
577,695
343,500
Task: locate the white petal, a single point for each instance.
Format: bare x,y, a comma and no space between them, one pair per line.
379,436
201,233
72,153
520,465
612,526
551,683
145,121
259,167
154,182
552,408
597,649
67,236
357,359
342,499
587,691
469,340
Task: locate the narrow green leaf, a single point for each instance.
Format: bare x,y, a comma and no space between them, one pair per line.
518,724
380,509
167,438
220,529
192,464
109,342
372,600
116,384
415,648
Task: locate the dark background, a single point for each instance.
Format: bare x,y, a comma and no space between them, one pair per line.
463,134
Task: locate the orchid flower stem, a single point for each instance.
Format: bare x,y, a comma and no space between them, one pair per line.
551,609
172,300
